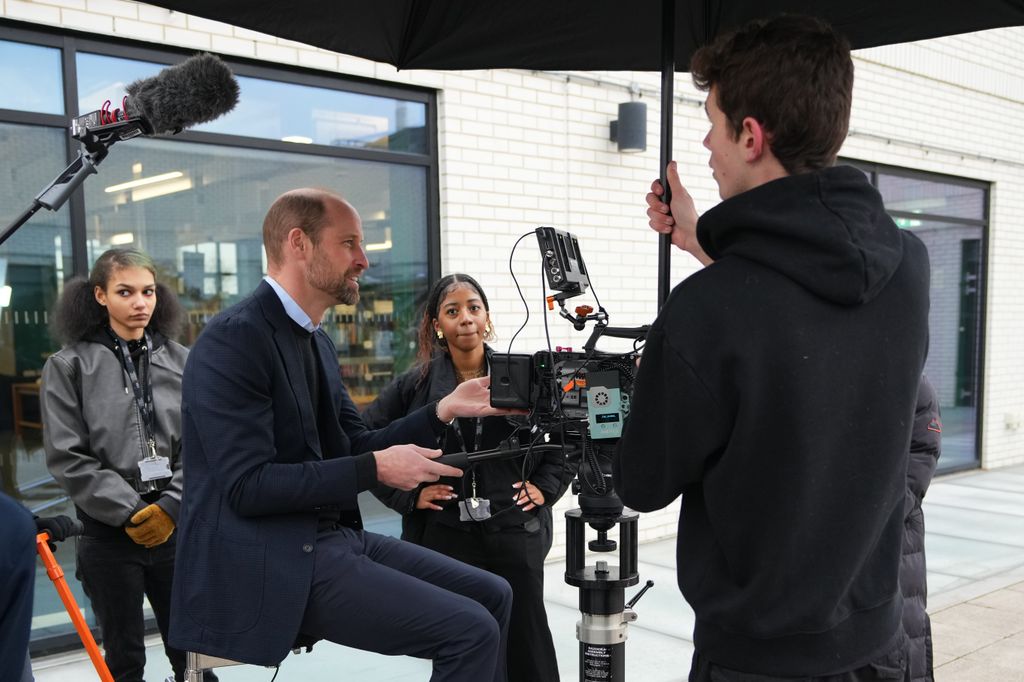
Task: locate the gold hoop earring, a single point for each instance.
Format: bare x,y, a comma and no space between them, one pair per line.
487,329
440,335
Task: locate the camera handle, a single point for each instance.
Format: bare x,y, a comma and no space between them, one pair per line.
509,450
635,333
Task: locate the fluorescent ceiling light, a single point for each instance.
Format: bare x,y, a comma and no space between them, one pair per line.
143,181
381,246
5,296
122,238
162,189
297,139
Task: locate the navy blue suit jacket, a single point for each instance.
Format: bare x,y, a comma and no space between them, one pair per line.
257,476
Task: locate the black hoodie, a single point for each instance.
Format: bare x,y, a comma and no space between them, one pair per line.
776,395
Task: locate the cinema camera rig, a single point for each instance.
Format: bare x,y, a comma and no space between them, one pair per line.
578,403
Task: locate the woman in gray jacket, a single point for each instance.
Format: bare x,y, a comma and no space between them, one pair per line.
111,402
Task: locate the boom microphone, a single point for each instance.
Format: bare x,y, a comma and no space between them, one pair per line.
196,91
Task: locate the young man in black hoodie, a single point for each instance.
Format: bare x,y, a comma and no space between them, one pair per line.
777,388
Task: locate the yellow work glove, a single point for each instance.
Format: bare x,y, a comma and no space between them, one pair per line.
150,526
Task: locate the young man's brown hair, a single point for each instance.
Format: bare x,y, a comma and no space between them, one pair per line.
792,74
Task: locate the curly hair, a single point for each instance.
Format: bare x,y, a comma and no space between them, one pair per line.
794,75
77,314
428,341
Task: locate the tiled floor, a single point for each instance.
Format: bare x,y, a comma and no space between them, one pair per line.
975,546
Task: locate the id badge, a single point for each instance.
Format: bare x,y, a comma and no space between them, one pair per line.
474,509
154,468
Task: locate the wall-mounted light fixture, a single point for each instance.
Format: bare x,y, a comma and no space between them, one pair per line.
630,130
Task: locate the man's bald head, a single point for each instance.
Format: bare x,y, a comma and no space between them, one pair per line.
305,209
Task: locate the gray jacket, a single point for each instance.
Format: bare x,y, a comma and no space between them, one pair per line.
93,433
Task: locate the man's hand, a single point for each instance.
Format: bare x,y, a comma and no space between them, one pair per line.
471,398
433,493
406,466
528,496
680,222
150,526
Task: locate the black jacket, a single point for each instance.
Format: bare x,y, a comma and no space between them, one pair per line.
925,447
494,478
262,464
776,395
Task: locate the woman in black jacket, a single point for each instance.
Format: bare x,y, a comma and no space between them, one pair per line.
498,515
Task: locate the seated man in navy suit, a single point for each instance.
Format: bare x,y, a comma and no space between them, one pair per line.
274,453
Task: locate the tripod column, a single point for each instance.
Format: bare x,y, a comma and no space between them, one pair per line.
602,629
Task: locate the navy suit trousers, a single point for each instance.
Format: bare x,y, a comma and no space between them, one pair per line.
377,593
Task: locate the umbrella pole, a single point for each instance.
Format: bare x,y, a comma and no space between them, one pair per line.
668,74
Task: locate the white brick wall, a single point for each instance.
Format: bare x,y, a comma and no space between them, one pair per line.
520,149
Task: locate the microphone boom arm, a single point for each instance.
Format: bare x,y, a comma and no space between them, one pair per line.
97,144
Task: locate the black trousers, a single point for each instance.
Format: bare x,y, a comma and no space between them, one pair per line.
116,573
516,555
376,593
891,666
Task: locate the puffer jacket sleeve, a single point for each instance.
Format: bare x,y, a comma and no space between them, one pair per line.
925,440
95,489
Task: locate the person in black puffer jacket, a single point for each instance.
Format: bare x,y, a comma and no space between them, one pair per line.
925,448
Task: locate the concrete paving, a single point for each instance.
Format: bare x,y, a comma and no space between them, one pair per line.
975,550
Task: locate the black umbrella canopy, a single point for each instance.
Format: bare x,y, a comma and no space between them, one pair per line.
590,35
581,35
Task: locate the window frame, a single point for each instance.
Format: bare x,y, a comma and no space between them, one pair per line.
873,170
70,43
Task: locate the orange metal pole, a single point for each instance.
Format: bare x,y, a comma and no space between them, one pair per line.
56,574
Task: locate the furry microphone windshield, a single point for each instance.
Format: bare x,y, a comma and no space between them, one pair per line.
198,90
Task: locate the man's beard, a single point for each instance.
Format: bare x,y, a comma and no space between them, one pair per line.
339,287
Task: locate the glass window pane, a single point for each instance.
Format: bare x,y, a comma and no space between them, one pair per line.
277,110
198,210
955,333
34,263
305,114
31,78
102,78
917,195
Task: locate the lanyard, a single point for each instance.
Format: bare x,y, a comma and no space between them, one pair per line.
478,437
143,393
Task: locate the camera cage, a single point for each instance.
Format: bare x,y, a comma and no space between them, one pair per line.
579,400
